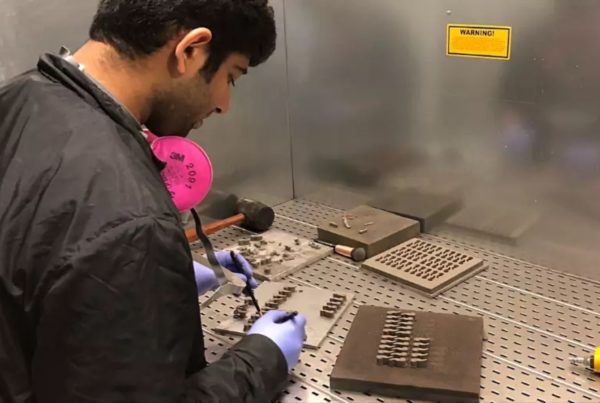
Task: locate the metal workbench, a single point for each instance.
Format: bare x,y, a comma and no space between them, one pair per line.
535,318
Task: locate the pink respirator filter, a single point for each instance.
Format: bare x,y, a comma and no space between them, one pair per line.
188,174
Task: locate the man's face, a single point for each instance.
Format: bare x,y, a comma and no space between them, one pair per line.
188,102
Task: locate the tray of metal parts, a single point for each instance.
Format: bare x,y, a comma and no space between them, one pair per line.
427,267
276,254
411,355
321,308
374,230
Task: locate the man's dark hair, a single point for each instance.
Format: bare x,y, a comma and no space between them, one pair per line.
137,28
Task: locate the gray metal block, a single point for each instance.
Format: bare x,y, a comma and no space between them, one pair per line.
373,229
308,301
428,267
450,370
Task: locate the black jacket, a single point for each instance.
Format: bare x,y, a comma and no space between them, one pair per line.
97,294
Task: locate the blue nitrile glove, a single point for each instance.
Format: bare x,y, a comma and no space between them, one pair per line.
206,280
244,271
288,336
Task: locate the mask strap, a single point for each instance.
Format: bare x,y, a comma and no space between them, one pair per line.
208,247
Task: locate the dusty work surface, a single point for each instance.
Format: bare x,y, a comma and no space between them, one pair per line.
321,308
429,209
373,229
275,254
424,356
429,268
535,318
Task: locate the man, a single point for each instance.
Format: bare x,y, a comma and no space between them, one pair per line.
98,301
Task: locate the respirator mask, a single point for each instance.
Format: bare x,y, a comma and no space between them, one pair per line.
188,172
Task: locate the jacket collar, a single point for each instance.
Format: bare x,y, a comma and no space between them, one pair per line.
64,70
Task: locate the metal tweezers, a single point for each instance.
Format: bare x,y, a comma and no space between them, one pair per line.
229,283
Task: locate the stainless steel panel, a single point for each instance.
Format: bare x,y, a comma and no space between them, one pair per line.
31,27
250,146
376,105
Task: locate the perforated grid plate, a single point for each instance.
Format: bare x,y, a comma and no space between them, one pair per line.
428,267
525,358
300,253
306,300
517,353
526,355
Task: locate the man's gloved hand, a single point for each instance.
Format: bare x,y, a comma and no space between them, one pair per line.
206,280
288,336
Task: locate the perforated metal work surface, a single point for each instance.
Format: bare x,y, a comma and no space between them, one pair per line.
427,267
535,318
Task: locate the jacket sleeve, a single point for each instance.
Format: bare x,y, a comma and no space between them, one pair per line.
119,321
252,371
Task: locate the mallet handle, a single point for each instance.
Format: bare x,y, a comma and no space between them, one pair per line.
214,227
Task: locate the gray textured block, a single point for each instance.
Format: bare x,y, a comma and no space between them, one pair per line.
383,230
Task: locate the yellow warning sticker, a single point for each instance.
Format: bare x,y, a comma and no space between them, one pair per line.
485,41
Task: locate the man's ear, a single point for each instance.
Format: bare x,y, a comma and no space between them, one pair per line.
192,51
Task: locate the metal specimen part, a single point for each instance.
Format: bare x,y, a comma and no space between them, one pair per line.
382,360
327,314
363,231
346,222
369,223
398,362
333,224
244,242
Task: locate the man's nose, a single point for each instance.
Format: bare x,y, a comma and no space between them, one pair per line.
223,106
